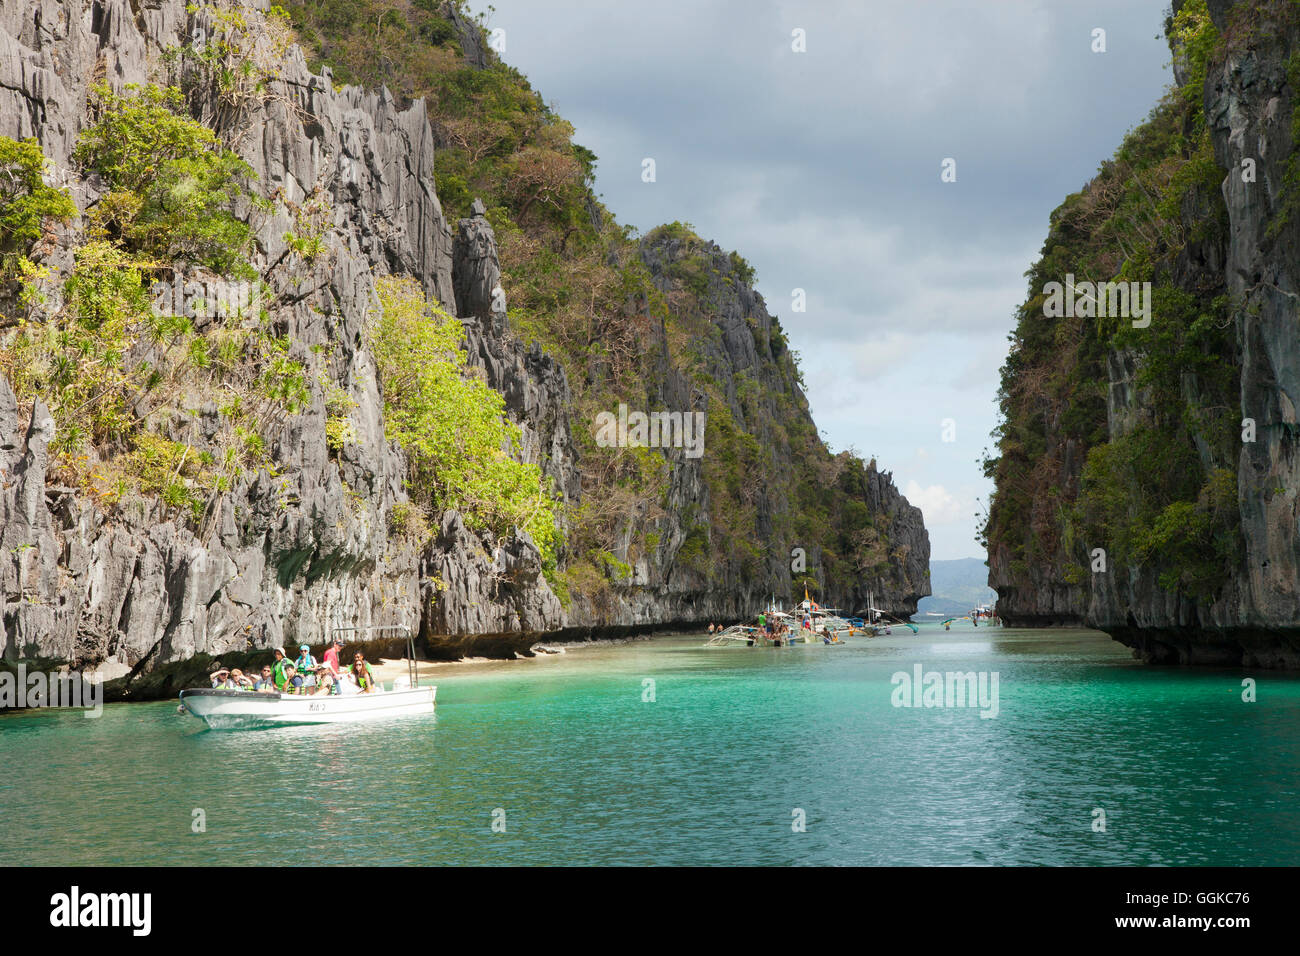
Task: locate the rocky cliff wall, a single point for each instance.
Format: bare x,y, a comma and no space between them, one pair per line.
741,373
1253,618
287,557
308,544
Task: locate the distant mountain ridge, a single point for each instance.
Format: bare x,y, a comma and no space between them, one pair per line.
956,586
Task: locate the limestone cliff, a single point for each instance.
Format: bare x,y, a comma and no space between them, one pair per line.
1182,465
312,542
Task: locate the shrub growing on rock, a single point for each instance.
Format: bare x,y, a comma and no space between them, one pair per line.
172,184
25,201
453,425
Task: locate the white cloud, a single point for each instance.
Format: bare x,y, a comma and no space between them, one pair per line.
939,506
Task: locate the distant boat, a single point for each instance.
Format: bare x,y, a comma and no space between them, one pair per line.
825,629
827,622
884,620
752,635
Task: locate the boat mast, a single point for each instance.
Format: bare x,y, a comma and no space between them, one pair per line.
407,633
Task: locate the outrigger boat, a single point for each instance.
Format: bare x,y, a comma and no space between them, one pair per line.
884,621
827,622
240,709
809,624
983,612
756,635
823,629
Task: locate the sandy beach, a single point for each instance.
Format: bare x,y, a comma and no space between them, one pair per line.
388,669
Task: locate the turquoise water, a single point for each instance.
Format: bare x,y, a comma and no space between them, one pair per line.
712,771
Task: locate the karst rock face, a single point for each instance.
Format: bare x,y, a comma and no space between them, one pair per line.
306,546
1249,104
1254,619
289,556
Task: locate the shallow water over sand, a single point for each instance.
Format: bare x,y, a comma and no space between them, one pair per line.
736,746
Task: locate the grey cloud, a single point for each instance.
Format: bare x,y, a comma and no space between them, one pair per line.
822,168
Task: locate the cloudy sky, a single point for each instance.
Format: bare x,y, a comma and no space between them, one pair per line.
822,168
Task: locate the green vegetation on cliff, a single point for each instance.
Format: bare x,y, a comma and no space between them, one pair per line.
114,366
121,367
1156,487
26,203
172,184
452,425
579,285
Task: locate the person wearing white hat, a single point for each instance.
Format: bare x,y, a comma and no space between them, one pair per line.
281,661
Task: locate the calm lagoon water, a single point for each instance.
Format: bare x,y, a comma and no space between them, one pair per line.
711,772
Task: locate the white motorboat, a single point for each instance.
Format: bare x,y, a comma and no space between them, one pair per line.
238,709
228,709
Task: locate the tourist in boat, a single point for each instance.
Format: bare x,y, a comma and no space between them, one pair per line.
281,673
281,662
293,683
324,681
364,675
221,680
305,663
332,657
710,628
240,680
267,680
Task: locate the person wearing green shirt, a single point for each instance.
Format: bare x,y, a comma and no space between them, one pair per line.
267,680
281,662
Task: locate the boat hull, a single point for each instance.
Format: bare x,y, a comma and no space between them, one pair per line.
240,709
